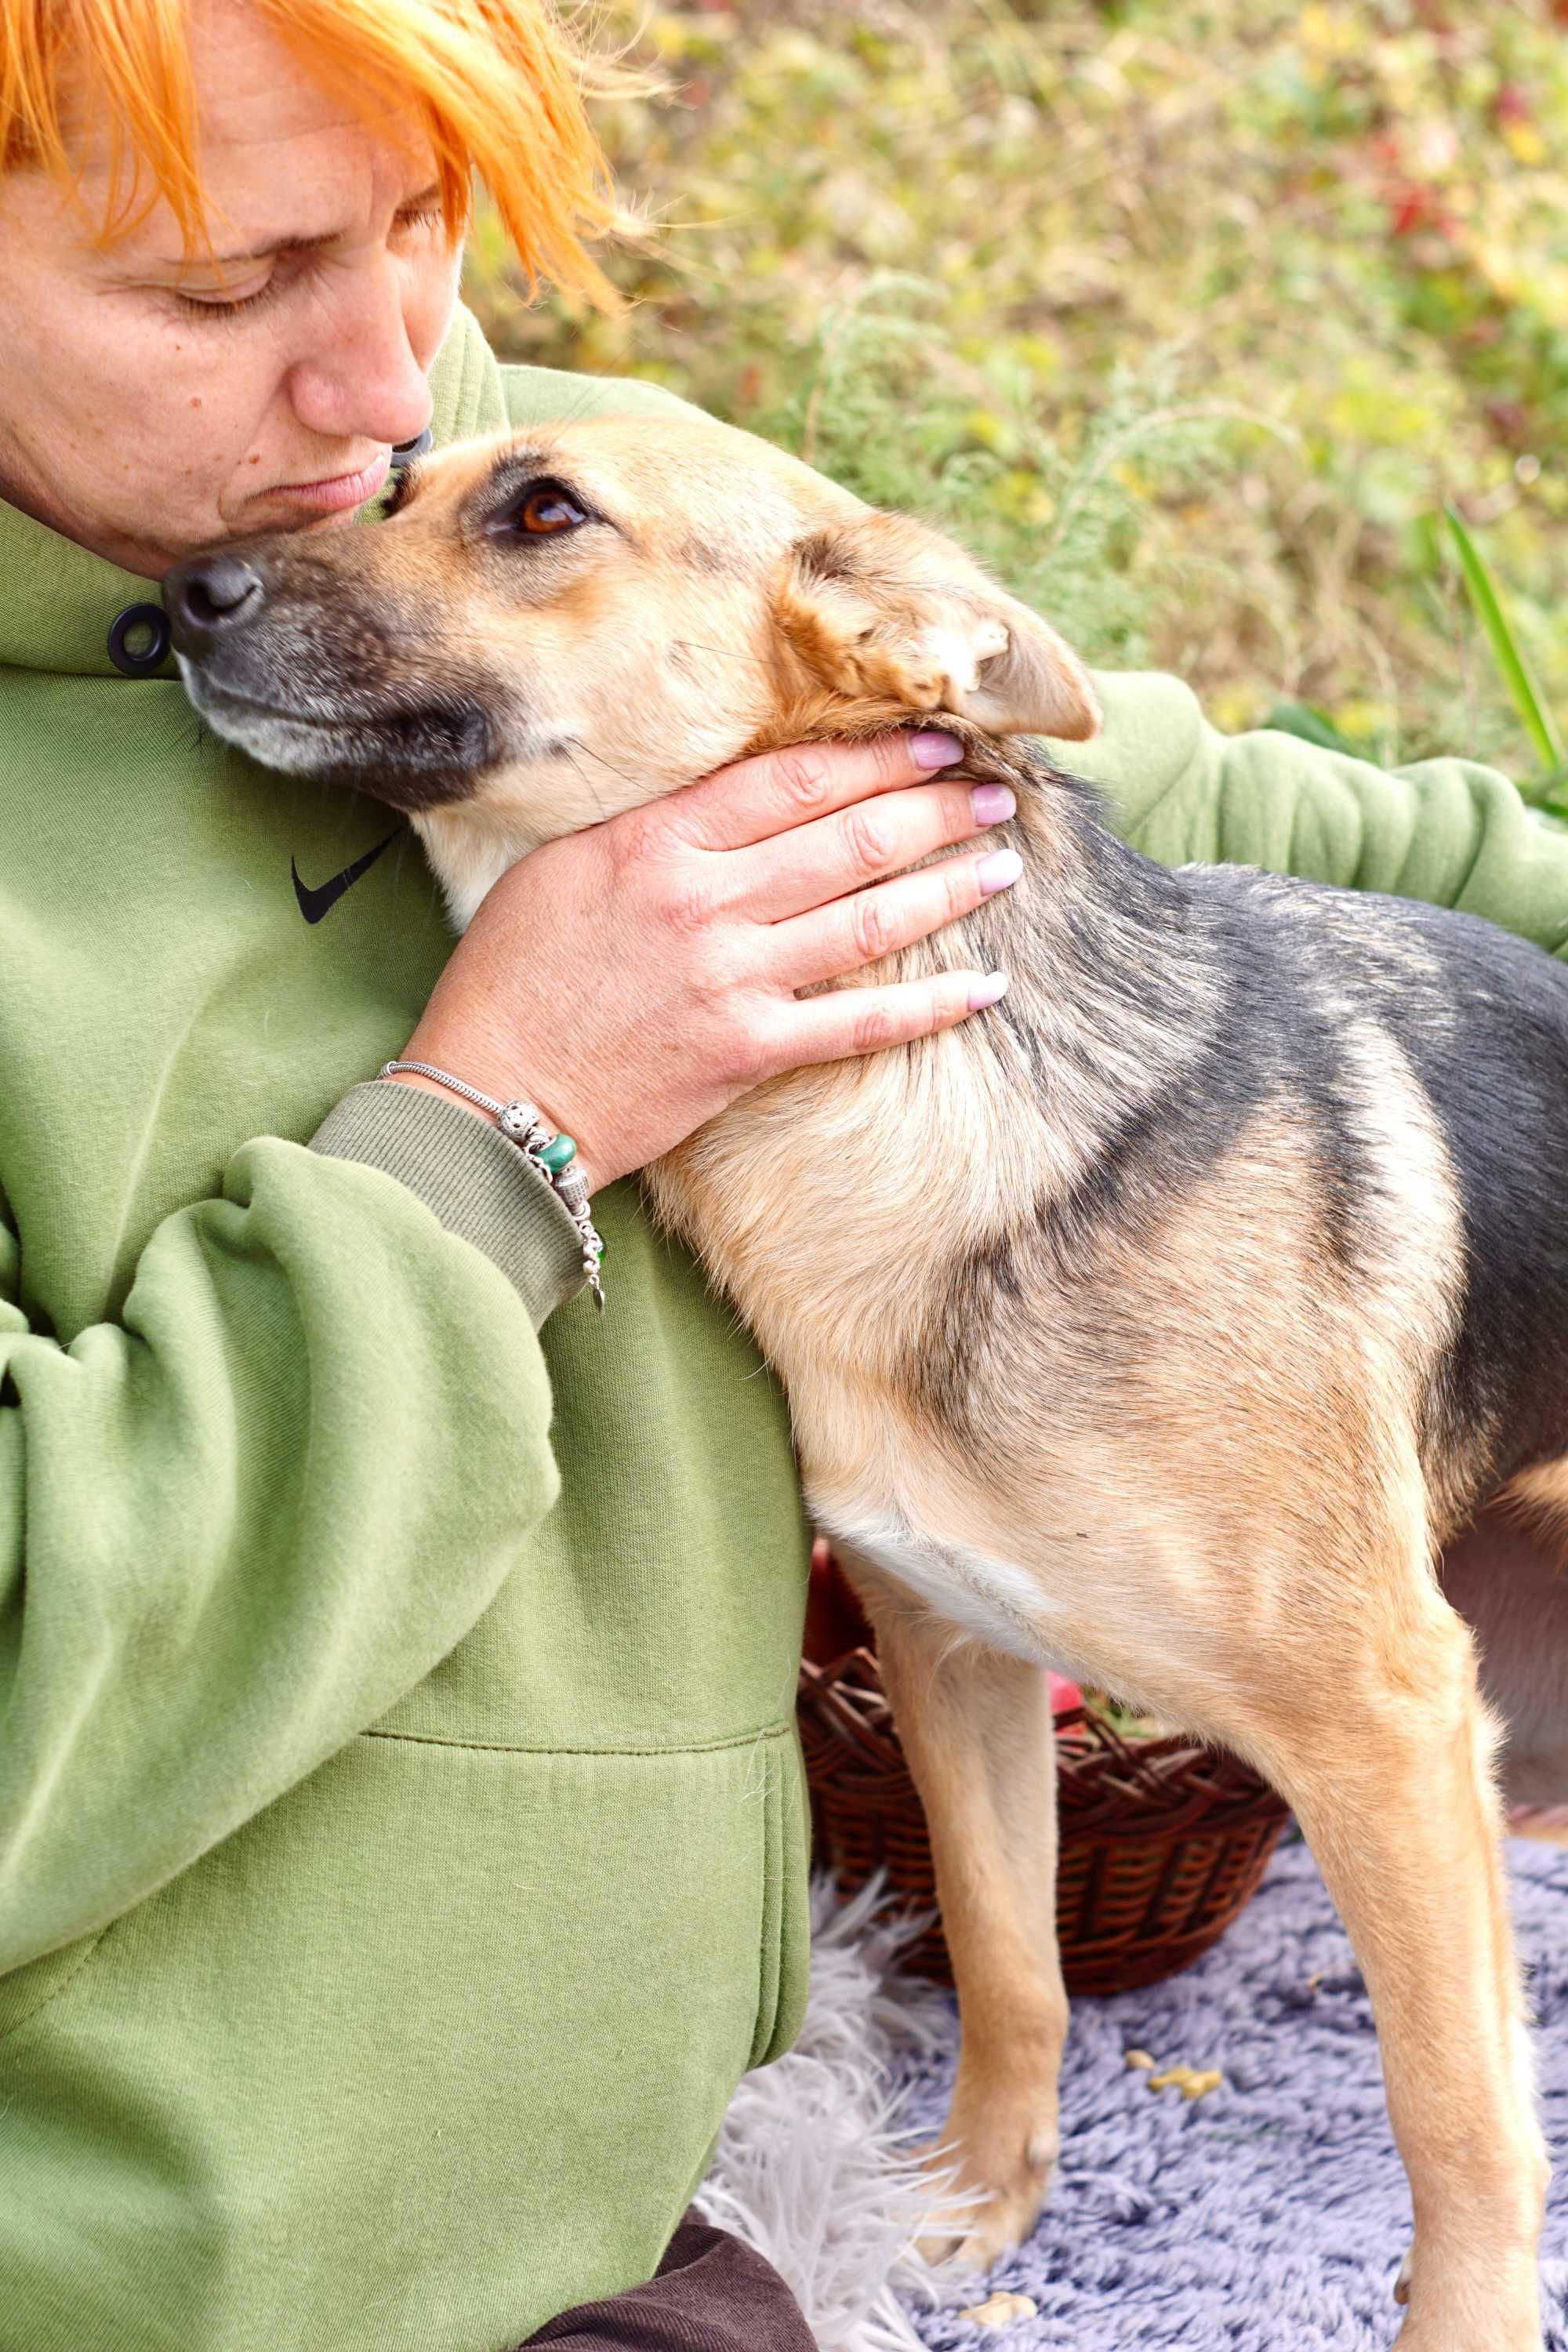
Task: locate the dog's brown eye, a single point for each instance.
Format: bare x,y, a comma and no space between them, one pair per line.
545,510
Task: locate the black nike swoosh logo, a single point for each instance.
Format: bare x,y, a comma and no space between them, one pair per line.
314,904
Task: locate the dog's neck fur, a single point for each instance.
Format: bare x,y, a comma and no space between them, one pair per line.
982,1126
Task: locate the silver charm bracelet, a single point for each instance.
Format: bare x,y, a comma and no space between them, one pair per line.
551,1154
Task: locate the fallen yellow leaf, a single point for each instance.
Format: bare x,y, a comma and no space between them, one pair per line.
1000,2310
1188,2081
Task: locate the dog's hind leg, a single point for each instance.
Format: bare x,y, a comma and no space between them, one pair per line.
1384,1747
975,1727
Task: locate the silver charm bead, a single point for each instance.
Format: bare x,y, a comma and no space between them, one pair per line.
518,1120
573,1187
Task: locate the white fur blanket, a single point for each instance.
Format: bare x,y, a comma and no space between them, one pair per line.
815,2167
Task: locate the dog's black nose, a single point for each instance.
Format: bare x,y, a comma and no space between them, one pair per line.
207,596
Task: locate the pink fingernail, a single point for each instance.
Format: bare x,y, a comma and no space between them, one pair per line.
992,802
929,747
989,990
996,872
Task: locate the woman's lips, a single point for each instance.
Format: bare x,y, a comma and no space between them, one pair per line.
340,491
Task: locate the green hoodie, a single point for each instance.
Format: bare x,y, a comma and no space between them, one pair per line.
402,1838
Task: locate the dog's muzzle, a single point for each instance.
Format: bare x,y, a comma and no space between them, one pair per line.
306,684
209,597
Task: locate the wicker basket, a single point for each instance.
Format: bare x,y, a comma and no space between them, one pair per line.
1162,1841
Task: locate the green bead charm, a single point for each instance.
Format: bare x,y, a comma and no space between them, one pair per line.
557,1154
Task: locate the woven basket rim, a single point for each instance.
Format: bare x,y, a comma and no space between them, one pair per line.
1152,1778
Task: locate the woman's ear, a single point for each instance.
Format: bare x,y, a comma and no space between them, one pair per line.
880,607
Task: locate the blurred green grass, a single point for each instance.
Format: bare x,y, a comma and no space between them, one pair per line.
1189,318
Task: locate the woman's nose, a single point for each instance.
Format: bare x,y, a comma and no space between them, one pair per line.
363,379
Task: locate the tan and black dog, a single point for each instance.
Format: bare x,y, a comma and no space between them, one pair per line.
1160,1323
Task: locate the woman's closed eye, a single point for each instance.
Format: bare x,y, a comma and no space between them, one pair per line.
221,302
229,306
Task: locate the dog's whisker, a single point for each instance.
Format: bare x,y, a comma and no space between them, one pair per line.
727,653
566,743
567,753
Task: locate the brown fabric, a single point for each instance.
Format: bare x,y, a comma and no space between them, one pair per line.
710,2294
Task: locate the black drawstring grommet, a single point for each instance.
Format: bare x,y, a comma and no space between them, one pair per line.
154,621
407,451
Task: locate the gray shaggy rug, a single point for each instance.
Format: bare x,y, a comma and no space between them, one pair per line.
1269,2215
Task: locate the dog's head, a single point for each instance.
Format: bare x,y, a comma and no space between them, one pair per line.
555,625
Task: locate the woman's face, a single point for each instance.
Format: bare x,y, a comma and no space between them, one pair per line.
151,405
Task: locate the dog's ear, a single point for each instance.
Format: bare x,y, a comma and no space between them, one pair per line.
879,608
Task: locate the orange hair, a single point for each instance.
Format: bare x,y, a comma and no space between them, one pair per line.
497,83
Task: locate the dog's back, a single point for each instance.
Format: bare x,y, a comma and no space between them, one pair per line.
1481,1019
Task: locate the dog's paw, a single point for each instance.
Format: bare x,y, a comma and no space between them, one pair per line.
995,2196
1495,2305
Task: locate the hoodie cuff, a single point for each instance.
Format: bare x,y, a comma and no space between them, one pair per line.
480,1186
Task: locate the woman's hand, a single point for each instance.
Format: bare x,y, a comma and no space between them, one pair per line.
634,979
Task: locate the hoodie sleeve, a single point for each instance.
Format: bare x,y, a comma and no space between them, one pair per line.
1451,831
238,1524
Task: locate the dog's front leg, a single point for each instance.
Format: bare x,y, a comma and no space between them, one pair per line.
1388,1768
975,1726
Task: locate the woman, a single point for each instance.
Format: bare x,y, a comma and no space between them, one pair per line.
401,1844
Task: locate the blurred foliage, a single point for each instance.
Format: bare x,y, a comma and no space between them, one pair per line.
1188,318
